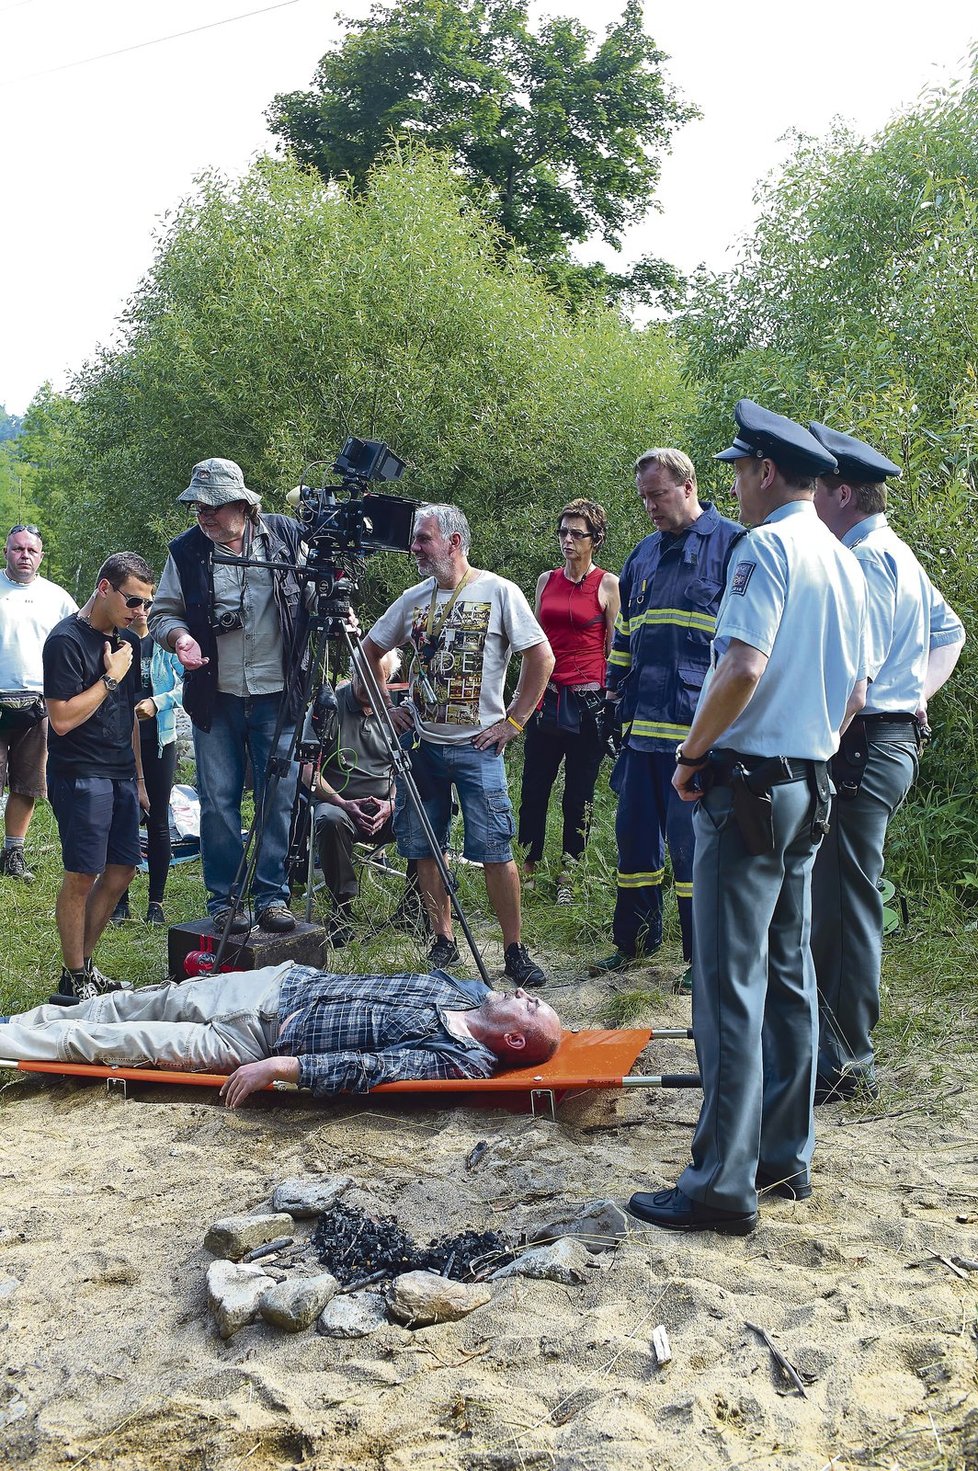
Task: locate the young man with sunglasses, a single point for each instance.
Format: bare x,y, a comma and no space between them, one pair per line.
91,684
30,606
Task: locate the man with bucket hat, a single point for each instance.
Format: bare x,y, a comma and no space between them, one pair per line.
236,629
787,675
915,641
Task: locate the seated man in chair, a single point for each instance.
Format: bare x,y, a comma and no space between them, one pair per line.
353,793
289,1023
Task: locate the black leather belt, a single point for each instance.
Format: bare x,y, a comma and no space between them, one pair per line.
766,771
886,728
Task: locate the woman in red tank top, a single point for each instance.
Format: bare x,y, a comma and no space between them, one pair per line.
577,604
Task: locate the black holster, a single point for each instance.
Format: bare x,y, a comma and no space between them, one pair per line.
821,790
848,765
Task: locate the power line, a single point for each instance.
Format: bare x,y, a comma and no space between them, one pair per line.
142,45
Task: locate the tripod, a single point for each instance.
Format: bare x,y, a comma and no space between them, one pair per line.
334,589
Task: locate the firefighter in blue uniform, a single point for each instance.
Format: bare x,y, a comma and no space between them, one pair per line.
915,640
671,586
788,675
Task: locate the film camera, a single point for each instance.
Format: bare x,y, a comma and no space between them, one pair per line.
363,522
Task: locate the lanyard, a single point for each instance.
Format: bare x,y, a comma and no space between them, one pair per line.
434,629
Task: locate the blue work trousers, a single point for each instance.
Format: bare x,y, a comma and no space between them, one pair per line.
650,814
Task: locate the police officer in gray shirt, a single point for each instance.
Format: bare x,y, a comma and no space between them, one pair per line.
915,641
788,674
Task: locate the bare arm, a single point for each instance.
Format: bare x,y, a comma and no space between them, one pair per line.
609,599
536,666
731,691
940,666
400,715
854,704
66,715
538,595
252,1076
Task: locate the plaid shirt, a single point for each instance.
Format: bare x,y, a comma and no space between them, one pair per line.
350,1033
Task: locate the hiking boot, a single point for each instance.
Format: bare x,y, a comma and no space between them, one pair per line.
845,1086
276,919
520,968
240,924
14,866
443,952
120,913
155,915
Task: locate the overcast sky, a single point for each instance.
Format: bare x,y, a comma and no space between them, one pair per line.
95,153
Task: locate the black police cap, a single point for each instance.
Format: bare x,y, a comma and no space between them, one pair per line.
857,461
763,435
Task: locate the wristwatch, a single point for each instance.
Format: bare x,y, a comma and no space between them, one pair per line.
109,682
683,760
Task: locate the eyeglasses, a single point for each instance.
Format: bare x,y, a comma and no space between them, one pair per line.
31,530
563,531
146,603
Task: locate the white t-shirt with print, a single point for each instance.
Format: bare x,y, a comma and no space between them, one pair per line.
458,674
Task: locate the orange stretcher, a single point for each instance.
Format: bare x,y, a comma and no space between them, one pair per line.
584,1060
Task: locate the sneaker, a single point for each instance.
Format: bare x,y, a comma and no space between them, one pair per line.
443,952
565,894
616,961
120,913
521,969
12,864
240,923
155,915
102,983
276,919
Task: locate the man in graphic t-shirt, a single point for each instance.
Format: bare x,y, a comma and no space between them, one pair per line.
462,626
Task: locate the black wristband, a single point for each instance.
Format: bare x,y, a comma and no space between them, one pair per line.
683,760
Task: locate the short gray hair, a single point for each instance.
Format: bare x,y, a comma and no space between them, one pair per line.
673,461
450,519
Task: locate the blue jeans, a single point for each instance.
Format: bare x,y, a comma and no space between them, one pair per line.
242,727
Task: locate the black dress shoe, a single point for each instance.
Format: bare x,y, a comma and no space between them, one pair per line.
845,1085
676,1212
790,1189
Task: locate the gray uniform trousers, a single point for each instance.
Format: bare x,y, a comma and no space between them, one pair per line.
847,927
755,1017
206,1026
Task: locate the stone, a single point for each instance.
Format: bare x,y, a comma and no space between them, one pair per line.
297,1302
564,1260
353,1316
418,1299
234,1293
235,1235
8,1284
309,1197
600,1224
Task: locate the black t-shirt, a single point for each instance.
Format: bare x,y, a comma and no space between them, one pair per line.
102,744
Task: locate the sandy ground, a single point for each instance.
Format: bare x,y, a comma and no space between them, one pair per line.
111,1360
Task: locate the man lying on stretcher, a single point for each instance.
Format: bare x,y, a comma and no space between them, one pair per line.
290,1023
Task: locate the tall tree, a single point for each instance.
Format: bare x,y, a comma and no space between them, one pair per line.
565,134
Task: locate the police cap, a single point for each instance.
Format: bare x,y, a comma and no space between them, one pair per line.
857,461
762,435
